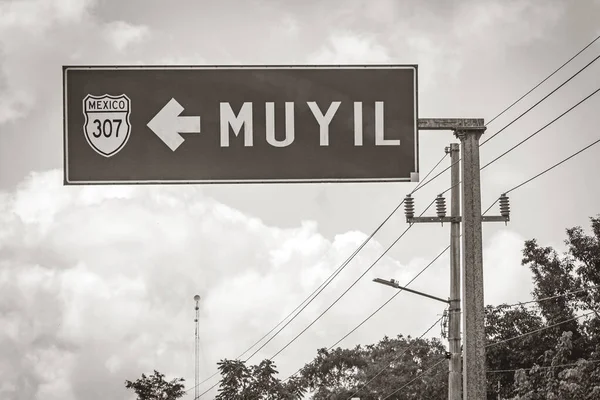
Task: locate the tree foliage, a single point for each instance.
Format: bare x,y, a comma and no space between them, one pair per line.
375,371
560,362
257,382
155,387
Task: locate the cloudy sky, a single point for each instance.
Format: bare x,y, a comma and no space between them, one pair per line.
96,283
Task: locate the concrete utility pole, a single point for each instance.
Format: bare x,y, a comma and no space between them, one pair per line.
454,340
455,367
196,348
474,378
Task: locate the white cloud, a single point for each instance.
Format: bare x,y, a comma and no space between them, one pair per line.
347,48
97,284
289,26
502,23
39,15
24,28
13,105
122,34
435,60
506,280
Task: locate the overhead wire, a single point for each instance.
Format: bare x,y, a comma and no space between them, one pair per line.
546,171
395,359
420,374
540,101
534,134
323,285
542,128
380,307
423,183
490,345
338,270
522,303
538,330
532,107
315,293
350,287
545,79
544,367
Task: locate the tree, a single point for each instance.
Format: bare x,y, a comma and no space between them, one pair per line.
560,362
155,387
258,382
375,371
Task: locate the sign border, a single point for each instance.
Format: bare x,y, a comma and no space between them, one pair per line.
65,68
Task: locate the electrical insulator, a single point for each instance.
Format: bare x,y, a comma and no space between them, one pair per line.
504,206
440,205
409,206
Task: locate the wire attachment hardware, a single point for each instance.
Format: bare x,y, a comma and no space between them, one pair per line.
504,206
440,206
409,207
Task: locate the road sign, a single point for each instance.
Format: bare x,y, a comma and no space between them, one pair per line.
228,124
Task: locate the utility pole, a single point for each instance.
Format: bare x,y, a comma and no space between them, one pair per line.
474,378
196,349
455,367
454,340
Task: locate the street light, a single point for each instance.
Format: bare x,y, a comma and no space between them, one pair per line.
393,283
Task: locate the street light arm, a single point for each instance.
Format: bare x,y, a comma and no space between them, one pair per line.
393,284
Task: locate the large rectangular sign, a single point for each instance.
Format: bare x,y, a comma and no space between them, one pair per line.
228,124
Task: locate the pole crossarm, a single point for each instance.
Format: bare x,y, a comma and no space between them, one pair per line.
416,220
452,124
485,218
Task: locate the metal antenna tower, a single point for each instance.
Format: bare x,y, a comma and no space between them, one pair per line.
196,350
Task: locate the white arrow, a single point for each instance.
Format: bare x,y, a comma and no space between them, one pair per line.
167,124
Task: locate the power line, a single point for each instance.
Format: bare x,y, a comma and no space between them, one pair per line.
546,171
554,166
543,367
319,289
545,79
414,379
380,307
538,330
542,128
350,287
395,359
432,179
335,273
532,107
550,297
539,102
390,299
532,135
490,345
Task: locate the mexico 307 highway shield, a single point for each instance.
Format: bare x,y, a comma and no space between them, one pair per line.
248,124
